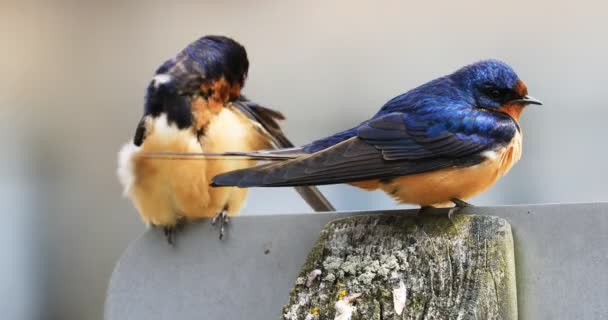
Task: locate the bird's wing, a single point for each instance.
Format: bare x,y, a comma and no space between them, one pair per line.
267,118
160,98
391,145
140,132
399,136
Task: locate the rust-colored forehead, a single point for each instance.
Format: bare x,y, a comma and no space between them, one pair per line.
520,88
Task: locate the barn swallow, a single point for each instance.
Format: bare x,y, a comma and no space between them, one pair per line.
194,104
436,145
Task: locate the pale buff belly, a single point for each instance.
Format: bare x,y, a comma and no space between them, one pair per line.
164,190
230,131
438,187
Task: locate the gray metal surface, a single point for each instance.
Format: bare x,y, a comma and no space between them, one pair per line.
561,262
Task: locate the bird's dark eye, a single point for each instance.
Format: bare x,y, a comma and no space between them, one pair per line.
495,93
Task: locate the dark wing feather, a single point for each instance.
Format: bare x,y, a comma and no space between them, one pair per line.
267,118
400,137
388,146
349,161
140,132
164,98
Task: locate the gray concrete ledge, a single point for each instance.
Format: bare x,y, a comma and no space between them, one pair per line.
561,263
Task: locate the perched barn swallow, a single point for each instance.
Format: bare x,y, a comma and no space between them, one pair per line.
194,104
436,145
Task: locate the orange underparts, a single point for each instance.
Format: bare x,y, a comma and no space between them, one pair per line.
367,184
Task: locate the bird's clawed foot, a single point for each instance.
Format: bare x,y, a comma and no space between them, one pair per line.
459,204
171,231
221,220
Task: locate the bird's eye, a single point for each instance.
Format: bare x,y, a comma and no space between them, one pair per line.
495,93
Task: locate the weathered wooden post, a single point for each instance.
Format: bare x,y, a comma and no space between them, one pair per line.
395,267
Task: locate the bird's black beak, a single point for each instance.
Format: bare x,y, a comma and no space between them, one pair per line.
527,100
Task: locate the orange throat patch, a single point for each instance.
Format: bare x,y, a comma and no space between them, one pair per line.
514,110
216,95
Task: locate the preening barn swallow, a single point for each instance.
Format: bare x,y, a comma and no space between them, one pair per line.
436,145
194,104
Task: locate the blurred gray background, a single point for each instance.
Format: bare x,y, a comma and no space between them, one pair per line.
73,76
